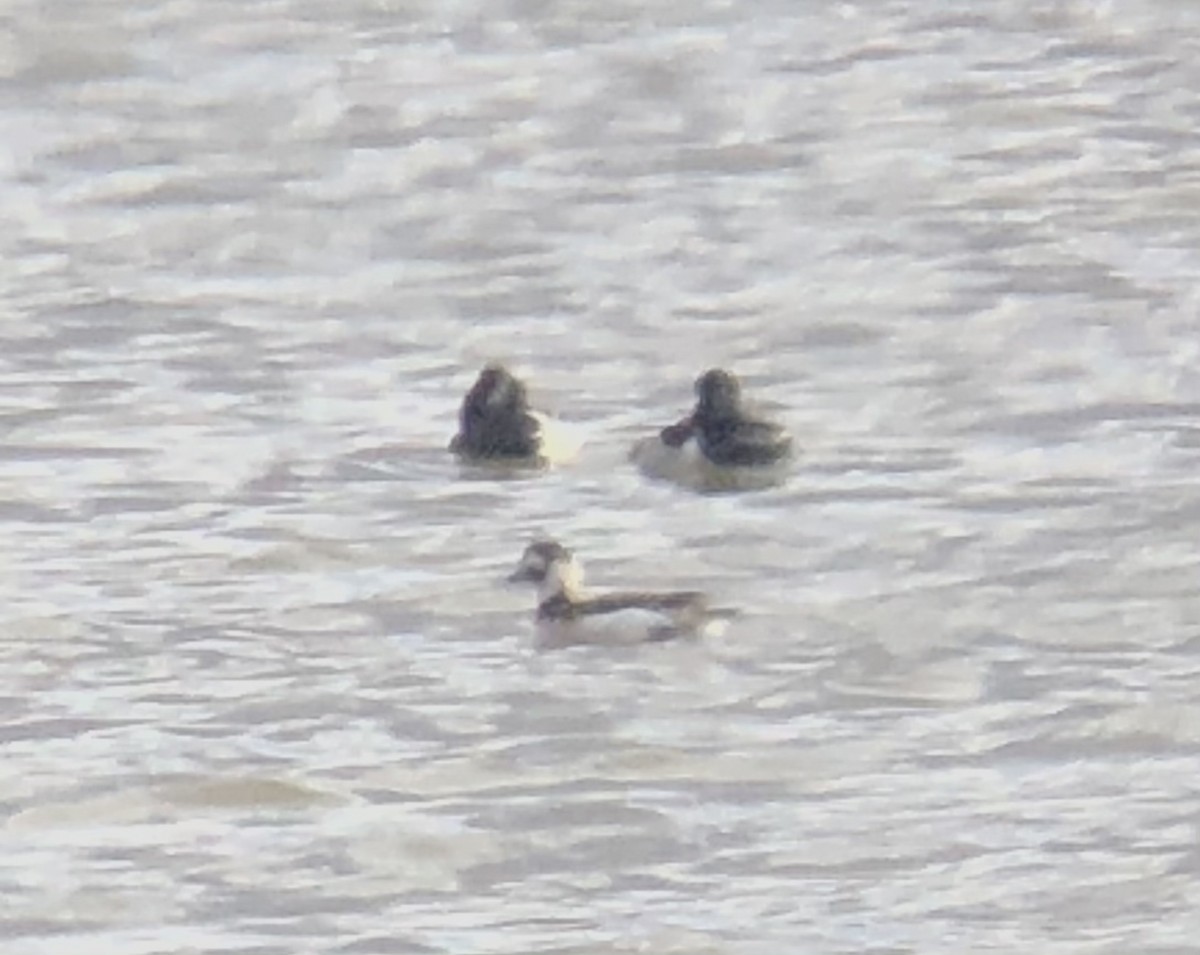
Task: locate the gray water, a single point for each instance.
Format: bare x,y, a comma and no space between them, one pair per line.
263,690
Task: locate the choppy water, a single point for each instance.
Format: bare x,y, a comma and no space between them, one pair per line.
262,689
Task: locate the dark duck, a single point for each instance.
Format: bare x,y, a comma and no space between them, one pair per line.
497,424
727,433
721,445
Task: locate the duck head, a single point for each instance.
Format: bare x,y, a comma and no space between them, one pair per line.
496,389
549,565
718,395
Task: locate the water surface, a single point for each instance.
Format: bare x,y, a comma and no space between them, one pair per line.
263,688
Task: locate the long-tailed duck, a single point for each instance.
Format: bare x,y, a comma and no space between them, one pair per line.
567,615
721,445
496,424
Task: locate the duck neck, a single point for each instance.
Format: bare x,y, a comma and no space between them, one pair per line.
563,579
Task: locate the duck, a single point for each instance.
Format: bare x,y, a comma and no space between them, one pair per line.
497,425
721,445
568,615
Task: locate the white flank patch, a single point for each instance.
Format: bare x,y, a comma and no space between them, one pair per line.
561,443
619,628
688,467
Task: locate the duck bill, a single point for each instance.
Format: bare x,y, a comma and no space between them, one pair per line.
676,435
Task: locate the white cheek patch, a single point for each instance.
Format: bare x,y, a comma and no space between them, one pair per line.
556,580
534,566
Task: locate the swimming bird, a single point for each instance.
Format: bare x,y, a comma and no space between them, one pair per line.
496,424
567,615
730,435
721,445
